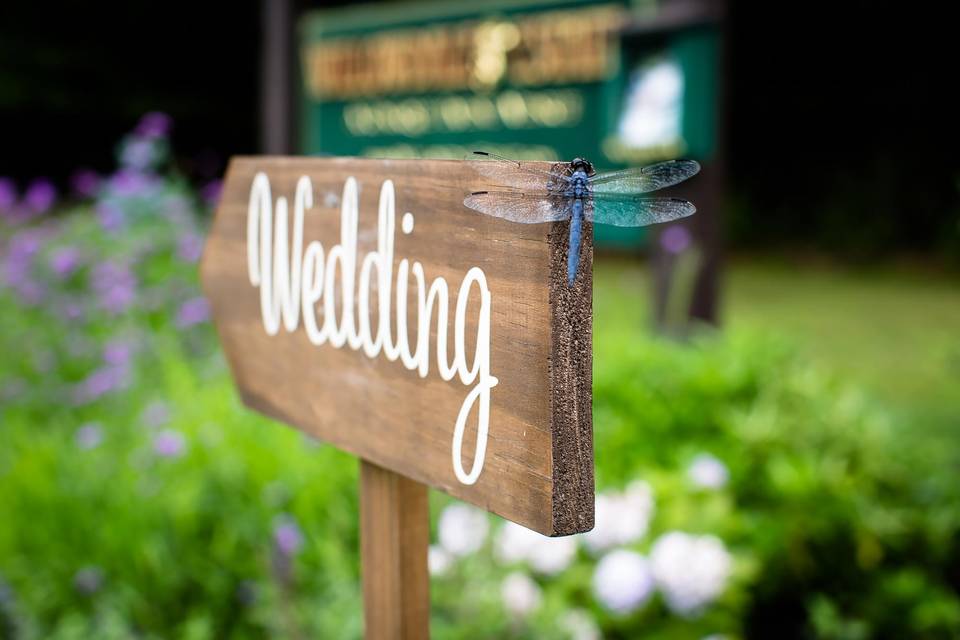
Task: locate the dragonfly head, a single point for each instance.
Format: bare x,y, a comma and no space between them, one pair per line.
579,164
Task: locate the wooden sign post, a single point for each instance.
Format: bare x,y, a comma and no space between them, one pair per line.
362,302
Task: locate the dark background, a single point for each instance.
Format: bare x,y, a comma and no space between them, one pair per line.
840,130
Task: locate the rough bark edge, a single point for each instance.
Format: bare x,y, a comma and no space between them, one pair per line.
571,383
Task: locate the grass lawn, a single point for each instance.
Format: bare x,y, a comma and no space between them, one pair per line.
894,331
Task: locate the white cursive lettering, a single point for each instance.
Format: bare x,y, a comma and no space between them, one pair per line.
295,282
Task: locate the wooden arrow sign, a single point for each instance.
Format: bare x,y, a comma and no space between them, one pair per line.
360,301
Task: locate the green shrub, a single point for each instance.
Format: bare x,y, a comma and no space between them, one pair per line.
138,498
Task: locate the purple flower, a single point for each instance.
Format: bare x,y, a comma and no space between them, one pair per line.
28,242
64,261
178,209
89,436
18,264
675,239
190,247
118,353
115,286
20,252
8,194
156,414
154,125
85,183
12,388
211,192
193,311
137,153
39,196
30,292
110,216
102,381
129,183
287,535
24,246
73,310
88,580
169,444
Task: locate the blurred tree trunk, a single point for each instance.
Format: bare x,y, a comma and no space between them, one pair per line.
687,278
276,77
687,259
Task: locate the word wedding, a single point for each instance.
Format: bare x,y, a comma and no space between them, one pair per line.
302,284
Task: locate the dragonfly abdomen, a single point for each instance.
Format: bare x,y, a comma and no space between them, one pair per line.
576,235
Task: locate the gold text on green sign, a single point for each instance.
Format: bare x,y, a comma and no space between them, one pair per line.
505,110
558,47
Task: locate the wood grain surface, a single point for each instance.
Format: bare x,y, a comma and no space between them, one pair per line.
538,468
394,538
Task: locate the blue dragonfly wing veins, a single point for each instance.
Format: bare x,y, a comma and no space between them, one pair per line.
503,173
622,210
517,206
644,179
520,192
528,194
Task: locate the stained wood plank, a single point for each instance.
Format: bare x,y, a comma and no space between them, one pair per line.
394,536
538,468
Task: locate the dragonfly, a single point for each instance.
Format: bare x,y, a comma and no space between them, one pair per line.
574,191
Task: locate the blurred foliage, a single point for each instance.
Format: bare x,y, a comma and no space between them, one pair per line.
139,499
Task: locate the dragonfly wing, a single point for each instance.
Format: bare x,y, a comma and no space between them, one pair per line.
500,171
645,179
635,211
517,206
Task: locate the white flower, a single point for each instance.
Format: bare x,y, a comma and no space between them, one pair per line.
691,571
654,105
580,625
548,556
438,560
604,534
622,581
708,472
462,529
521,595
621,518
513,543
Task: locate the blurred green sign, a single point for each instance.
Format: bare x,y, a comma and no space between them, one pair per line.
526,79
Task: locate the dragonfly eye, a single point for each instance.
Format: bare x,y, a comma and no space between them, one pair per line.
580,164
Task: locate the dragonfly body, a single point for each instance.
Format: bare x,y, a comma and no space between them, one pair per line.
578,189
574,192
576,236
